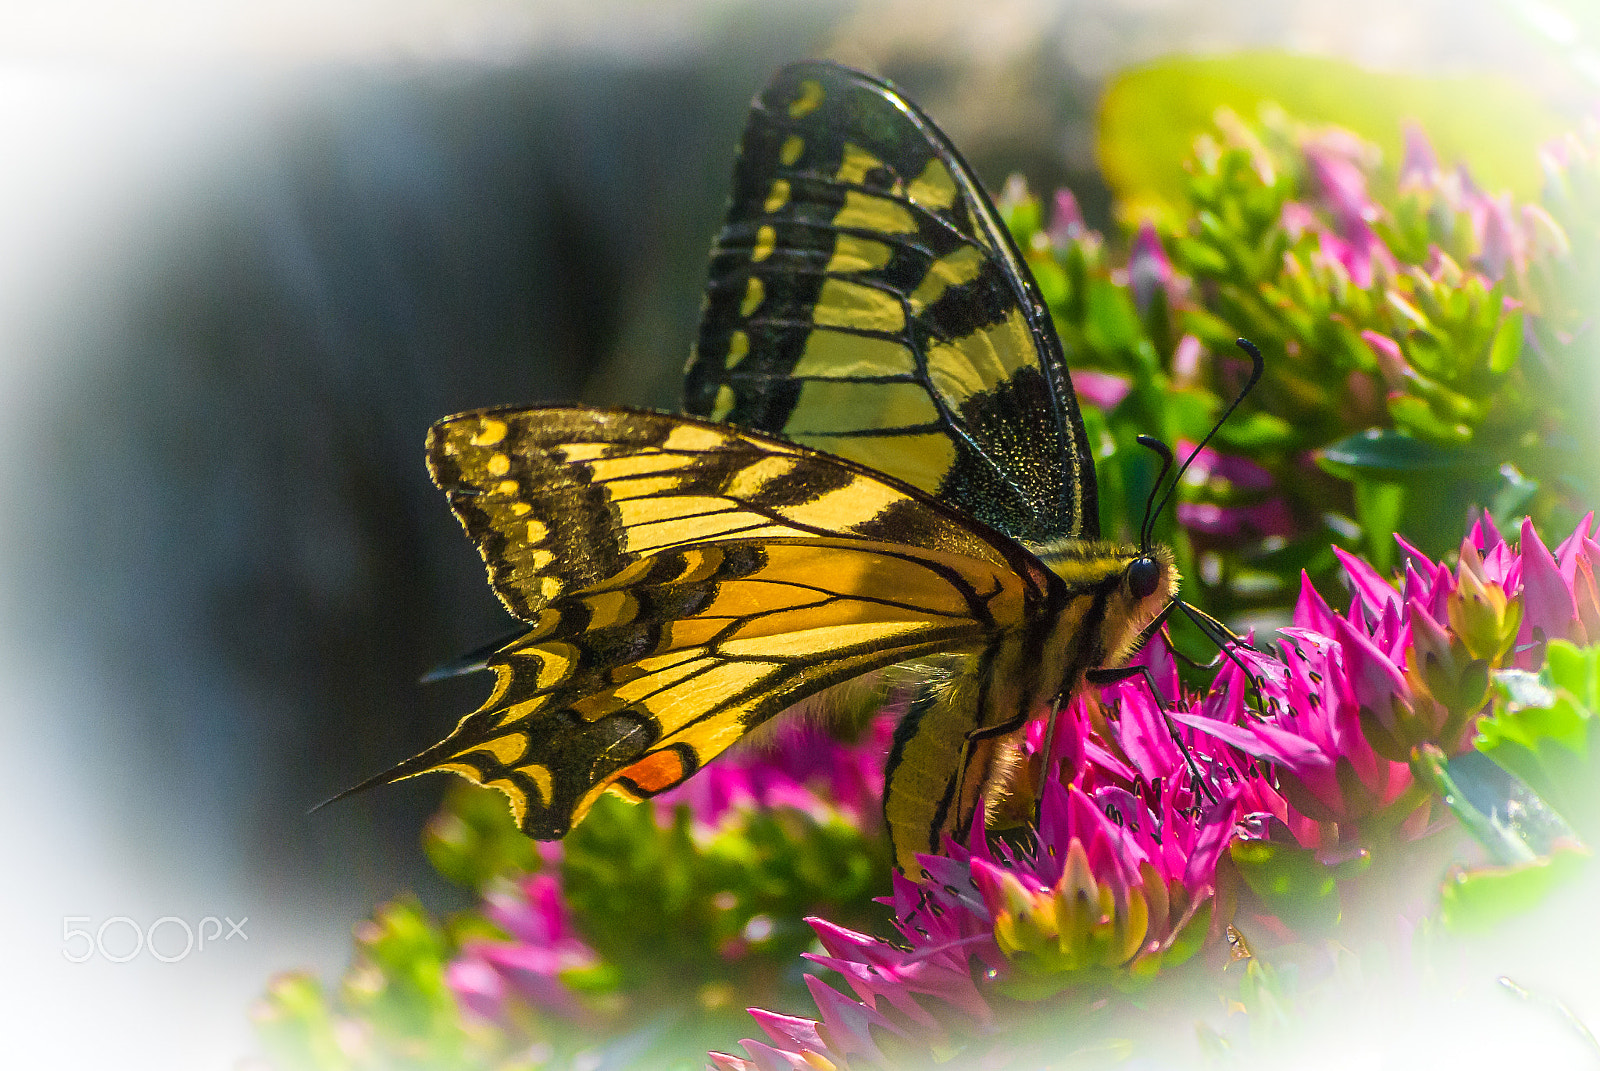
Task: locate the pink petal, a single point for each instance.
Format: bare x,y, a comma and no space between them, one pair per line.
1215,832
1100,389
1366,584
790,1030
1391,361
1264,741
1485,536
848,1024
1419,164
1572,546
1066,220
1547,603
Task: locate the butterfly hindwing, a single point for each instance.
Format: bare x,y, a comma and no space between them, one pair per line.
865,299
745,574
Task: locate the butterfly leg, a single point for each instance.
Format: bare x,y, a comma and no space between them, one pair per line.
1122,673
1226,640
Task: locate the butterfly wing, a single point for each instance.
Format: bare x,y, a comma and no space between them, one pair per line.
684,582
865,299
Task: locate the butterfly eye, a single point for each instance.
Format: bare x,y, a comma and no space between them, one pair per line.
1144,576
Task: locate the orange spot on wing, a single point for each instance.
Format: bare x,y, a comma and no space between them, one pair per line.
656,772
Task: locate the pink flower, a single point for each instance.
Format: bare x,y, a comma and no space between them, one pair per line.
1117,880
1334,163
1149,269
488,975
1066,220
1353,696
1419,164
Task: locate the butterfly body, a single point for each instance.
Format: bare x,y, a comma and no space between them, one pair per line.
886,465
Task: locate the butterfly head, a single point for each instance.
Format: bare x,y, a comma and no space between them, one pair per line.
1148,583
1144,575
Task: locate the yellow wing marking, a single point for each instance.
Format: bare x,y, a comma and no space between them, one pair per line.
823,641
608,608
777,196
580,451
980,361
793,146
551,662
750,481
953,269
865,211
755,292
832,407
842,303
738,343
855,165
626,487
508,749
637,512
766,242
811,95
628,466
853,253
849,505
693,438
934,189
838,355
489,433
920,460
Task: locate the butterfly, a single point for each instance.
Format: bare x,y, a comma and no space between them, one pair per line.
883,463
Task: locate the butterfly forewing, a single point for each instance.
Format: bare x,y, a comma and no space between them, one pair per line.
745,574
865,299
557,499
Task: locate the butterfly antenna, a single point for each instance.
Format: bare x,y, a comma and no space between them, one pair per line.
1223,637
1150,442
1258,366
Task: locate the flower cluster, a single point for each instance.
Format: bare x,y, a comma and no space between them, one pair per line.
1112,886
1353,696
1127,871
551,971
488,974
1424,349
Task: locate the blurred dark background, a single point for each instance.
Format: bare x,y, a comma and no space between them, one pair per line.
240,276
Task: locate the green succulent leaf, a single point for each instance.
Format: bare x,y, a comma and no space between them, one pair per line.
1478,901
